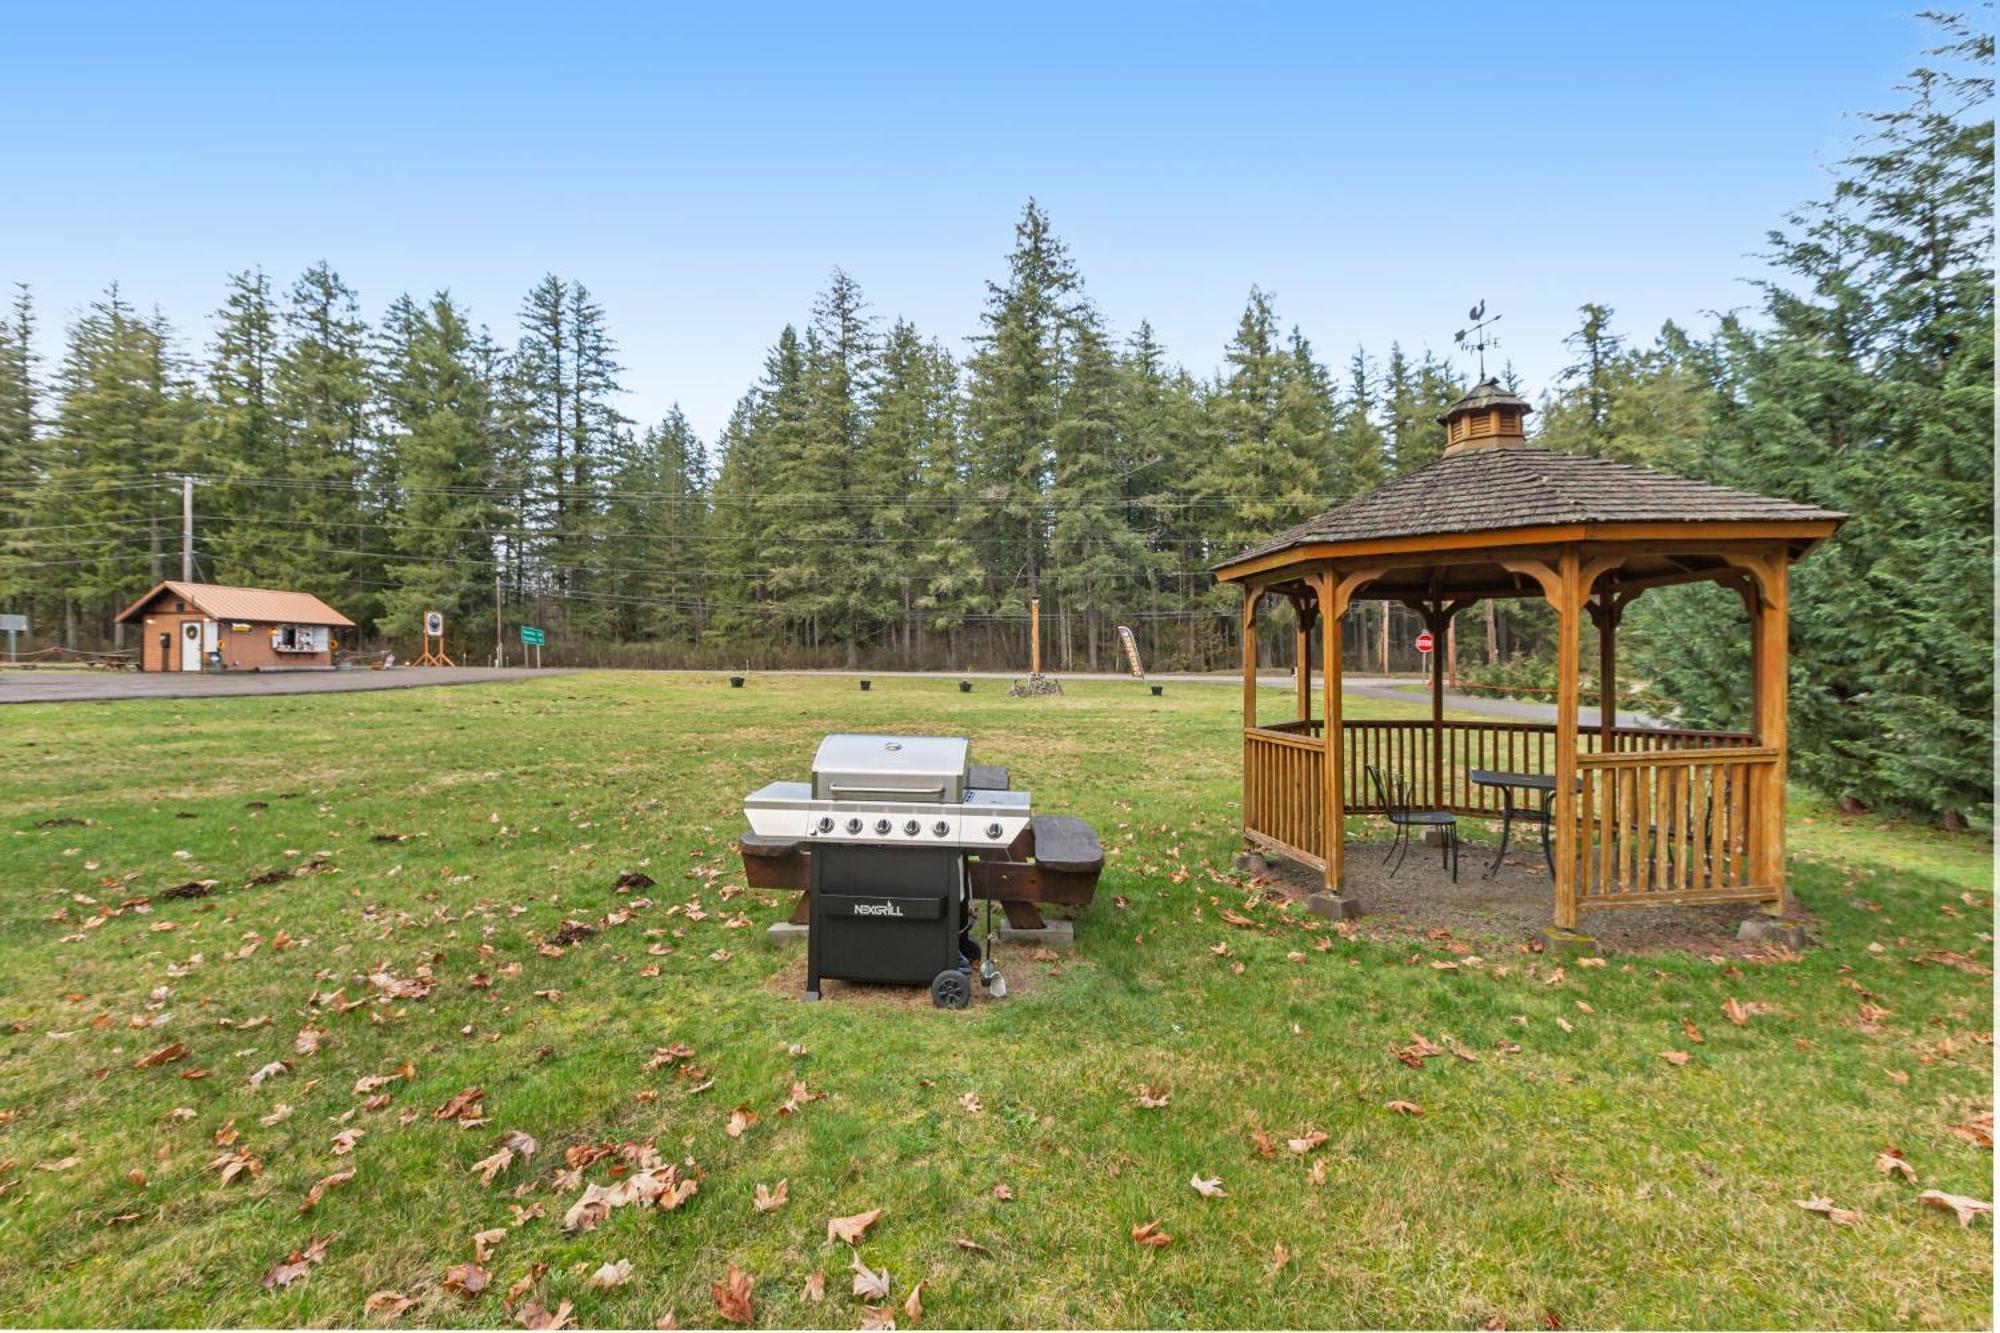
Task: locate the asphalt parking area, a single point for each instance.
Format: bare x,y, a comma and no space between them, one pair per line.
82,686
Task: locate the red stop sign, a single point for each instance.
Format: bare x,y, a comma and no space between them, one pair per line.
1425,642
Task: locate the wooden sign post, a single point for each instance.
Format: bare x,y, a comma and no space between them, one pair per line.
1034,636
433,654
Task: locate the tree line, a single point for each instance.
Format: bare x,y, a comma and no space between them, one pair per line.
878,497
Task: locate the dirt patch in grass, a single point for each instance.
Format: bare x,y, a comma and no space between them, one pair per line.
1515,904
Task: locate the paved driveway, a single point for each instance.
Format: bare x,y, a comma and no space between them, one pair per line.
33,687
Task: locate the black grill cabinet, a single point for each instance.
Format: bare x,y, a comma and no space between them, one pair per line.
888,914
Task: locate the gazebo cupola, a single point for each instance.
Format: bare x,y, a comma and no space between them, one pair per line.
1639,815
1489,417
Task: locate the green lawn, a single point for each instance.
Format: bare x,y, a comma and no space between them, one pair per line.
1580,1178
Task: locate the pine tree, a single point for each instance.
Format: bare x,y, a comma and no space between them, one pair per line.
1016,377
1271,424
235,443
436,405
657,521
21,459
912,532
1096,553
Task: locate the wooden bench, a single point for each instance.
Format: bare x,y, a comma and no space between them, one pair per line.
1057,859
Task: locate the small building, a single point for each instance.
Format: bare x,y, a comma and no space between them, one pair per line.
214,627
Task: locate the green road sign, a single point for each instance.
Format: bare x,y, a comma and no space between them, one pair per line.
532,637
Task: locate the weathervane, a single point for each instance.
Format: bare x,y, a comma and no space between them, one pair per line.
1480,333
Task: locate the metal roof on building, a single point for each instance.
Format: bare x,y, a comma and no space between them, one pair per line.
1499,489
224,602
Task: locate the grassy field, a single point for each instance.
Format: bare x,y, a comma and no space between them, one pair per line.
419,852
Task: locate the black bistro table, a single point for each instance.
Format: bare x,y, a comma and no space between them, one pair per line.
1508,784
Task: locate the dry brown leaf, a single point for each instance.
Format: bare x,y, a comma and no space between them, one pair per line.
1152,1098
869,1285
1404,1108
1965,1208
913,1304
1209,1187
321,1186
1676,1058
1977,1131
815,1288
770,1200
1317,1175
1693,1032
610,1275
1149,1234
970,1101
732,1296
1307,1142
877,1317
486,1168
344,1141
1733,1010
165,1055
970,1245
851,1229
1003,1192
1889,1161
1844,1217
1261,1140
532,1315
467,1279
461,1105
483,1243
1280,1256
387,1304
740,1119
668,1320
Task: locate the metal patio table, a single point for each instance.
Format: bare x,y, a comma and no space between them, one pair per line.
1508,784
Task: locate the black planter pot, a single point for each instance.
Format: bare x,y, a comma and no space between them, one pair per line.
965,687
736,682
864,687
1158,690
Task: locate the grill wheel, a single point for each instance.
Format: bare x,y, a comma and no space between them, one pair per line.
951,989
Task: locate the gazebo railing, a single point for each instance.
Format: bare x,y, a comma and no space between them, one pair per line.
1675,828
1669,827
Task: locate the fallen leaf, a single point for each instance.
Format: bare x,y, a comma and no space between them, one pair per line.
484,1241
344,1141
1965,1208
268,1072
1317,1175
1977,1131
1003,1192
467,1279
1261,1140
769,1200
1693,1032
878,1317
970,1245
611,1275
1152,1098
486,1168
1149,1234
739,1120
387,1304
869,1285
851,1229
165,1055
532,1315
815,1288
321,1186
1889,1161
1312,1139
970,1101
1210,1188
1280,1256
462,1105
1733,1010
1676,1058
1404,1108
1843,1217
279,1114
913,1304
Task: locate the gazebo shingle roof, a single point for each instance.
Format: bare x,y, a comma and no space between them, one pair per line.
1496,489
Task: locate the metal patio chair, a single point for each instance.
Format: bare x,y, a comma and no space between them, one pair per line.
1402,818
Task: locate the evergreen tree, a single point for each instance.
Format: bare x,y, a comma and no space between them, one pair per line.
1871,391
1097,553
657,521
21,460
235,443
1271,423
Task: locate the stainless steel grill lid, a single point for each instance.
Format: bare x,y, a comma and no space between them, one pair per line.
890,768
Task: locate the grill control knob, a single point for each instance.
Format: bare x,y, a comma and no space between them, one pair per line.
913,828
941,828
881,826
854,826
826,823
993,830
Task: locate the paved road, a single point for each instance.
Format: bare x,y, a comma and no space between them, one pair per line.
23,687
59,686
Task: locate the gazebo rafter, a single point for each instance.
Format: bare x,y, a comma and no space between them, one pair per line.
1642,816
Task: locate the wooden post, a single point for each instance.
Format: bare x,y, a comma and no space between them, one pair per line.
1605,613
1302,655
1034,636
1569,614
1770,637
1251,596
1333,778
1435,621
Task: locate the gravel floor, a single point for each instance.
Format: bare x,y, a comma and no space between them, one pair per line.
1515,904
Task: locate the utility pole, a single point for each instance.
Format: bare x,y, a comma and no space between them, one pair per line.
187,529
499,643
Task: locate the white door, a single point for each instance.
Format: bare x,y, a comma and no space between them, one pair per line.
190,645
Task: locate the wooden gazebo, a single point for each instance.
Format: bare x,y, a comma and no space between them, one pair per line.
1642,816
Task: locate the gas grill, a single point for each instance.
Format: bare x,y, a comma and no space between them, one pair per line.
890,822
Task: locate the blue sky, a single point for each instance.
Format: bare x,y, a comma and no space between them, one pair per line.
1378,167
